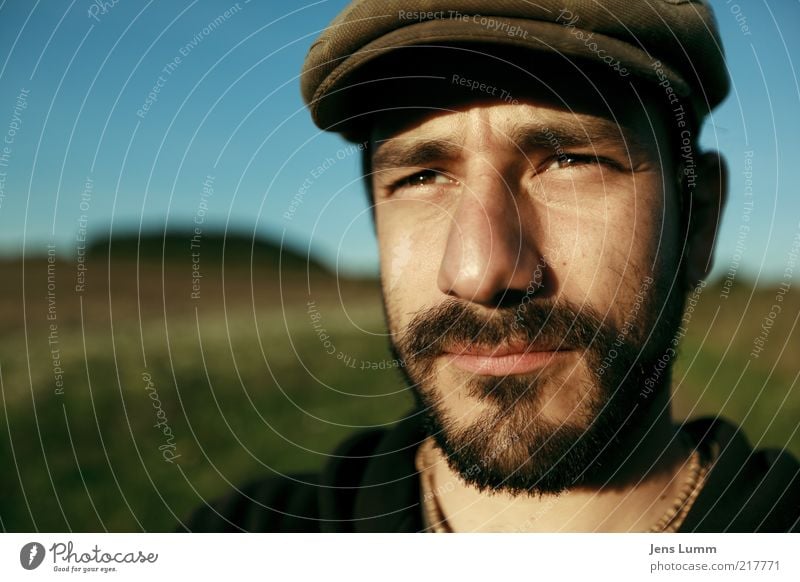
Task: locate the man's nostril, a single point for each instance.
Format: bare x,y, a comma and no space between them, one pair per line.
509,298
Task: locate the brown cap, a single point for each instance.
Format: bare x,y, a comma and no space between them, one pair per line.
674,43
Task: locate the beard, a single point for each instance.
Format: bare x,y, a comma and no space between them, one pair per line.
510,445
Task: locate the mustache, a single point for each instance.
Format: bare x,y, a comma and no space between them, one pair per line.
543,323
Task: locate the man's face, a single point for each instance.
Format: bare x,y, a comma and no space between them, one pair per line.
527,251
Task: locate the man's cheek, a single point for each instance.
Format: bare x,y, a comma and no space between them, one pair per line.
400,278
410,250
397,259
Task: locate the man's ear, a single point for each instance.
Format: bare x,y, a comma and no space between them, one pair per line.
706,201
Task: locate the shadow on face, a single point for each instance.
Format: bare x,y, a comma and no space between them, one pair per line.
399,88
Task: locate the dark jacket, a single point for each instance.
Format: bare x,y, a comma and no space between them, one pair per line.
371,484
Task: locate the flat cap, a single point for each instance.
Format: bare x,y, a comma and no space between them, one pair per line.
674,43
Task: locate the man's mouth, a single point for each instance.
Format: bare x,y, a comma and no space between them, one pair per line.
506,359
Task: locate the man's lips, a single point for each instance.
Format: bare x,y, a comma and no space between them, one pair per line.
504,360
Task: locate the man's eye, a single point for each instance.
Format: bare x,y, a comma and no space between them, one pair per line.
563,161
424,178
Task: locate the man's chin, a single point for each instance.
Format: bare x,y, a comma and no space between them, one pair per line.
515,452
529,434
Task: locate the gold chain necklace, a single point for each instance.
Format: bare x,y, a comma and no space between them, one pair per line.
674,517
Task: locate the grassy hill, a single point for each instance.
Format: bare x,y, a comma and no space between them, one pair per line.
130,400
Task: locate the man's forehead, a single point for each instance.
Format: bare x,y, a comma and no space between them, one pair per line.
524,125
486,116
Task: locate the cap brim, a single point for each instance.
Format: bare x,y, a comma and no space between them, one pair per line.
333,107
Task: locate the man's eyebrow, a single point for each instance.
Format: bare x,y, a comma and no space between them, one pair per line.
587,133
412,152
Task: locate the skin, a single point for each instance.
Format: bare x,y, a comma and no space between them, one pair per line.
573,203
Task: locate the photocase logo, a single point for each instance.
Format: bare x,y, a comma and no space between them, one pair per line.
31,555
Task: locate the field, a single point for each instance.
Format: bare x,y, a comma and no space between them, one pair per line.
129,402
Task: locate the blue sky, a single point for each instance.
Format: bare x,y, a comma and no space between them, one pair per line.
226,138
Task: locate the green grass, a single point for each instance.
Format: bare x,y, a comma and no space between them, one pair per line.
247,387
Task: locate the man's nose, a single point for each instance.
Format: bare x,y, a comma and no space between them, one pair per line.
490,251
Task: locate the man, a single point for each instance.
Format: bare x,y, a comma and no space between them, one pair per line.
537,164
